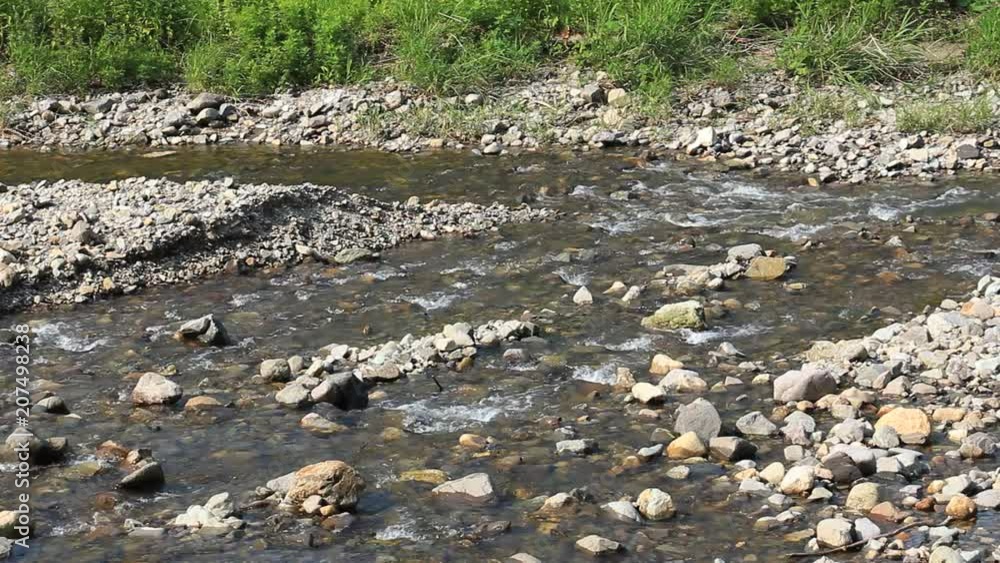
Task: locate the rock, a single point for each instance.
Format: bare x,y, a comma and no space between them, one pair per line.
756,424
335,481
593,93
912,425
146,477
207,116
431,476
731,448
576,447
393,100
354,254
201,402
686,446
865,529
293,395
798,480
154,389
596,545
945,554
648,393
683,381
663,364
810,384
276,370
208,330
203,101
622,510
978,445
686,314
655,504
583,296
317,423
524,558
766,268
988,499
961,507
834,532
52,405
618,97
744,252
476,486
343,390
863,497
699,417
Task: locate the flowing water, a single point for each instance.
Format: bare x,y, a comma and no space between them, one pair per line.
674,215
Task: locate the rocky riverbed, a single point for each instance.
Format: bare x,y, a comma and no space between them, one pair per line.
72,241
831,134
682,366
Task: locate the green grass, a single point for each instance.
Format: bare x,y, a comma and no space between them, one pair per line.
860,42
251,47
984,42
971,116
816,106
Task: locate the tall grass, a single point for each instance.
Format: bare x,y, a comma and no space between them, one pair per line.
249,47
853,41
984,41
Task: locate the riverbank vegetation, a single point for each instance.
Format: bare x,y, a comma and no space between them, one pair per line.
251,47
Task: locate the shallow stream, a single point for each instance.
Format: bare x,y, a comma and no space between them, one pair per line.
853,280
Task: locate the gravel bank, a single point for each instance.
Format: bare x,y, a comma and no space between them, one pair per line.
72,241
830,134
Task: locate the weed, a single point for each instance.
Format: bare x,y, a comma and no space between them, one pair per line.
970,116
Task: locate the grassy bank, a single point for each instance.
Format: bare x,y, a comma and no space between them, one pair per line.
248,47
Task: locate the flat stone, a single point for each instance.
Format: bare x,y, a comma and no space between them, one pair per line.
476,486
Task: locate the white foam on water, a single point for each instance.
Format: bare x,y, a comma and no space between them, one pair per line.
696,337
604,374
428,416
583,191
884,212
644,342
615,227
241,299
56,334
693,220
405,529
432,301
794,232
386,273
573,276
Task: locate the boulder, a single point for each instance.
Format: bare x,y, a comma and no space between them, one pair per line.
686,314
834,532
339,484
731,449
596,545
912,425
699,417
766,268
809,384
863,497
686,446
683,381
344,390
655,504
154,389
798,480
648,393
756,424
207,330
